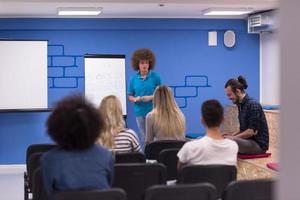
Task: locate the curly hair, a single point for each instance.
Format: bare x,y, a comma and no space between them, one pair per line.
142,54
74,123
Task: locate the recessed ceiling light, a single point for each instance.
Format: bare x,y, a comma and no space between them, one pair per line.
79,11
226,11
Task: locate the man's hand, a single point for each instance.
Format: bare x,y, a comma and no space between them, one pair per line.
226,134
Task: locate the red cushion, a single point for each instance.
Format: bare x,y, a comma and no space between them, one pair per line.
273,166
251,156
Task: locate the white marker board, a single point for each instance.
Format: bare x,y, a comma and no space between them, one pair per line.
105,75
23,75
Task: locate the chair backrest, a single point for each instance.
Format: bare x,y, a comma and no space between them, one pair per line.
250,190
105,194
34,148
33,155
153,149
169,158
38,190
134,178
132,157
200,191
39,193
218,175
33,164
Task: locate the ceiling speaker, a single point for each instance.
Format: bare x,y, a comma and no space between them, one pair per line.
229,39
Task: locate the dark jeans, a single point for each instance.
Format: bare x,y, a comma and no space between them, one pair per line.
248,146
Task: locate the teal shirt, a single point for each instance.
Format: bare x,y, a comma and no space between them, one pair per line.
139,87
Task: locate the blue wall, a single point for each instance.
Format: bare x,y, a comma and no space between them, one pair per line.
194,70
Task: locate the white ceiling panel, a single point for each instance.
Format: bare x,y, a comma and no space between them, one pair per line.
129,8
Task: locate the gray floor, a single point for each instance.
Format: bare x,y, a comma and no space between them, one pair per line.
11,182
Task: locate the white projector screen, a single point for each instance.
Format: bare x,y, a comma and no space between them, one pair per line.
23,75
105,75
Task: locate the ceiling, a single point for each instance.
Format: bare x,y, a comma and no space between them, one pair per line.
129,8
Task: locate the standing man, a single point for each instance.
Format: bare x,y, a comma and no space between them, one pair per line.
253,136
142,86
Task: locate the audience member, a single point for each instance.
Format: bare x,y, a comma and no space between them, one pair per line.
114,135
212,149
165,121
253,136
77,163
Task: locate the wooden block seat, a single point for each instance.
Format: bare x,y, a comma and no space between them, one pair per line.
256,168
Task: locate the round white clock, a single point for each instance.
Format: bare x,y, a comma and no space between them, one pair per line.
229,38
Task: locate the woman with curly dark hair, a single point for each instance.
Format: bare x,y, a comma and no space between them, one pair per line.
77,163
142,86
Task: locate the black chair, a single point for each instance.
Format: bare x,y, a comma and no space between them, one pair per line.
132,157
105,194
38,190
31,150
153,149
34,148
250,190
200,191
33,164
135,178
218,175
169,158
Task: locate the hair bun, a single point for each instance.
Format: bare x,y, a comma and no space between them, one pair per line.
243,81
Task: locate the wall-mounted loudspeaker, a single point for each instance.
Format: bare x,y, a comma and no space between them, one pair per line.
229,38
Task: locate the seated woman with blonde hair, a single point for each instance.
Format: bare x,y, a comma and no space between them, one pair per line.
115,136
165,121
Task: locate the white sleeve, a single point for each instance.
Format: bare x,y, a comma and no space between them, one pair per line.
183,154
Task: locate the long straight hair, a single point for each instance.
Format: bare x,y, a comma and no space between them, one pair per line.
167,116
110,110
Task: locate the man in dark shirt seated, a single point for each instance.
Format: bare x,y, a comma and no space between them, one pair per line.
253,136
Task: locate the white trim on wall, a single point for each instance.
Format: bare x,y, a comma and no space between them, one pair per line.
260,69
269,68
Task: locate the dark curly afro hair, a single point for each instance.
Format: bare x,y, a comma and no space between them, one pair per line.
74,123
143,54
